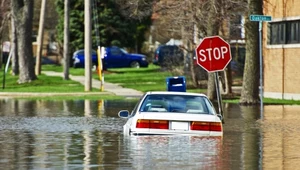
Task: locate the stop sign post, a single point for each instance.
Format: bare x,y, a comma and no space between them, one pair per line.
213,54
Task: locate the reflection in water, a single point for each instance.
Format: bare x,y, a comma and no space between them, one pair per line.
241,136
174,152
42,108
281,137
86,134
58,134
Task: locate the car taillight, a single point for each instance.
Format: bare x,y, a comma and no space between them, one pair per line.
142,123
156,56
152,124
195,61
206,126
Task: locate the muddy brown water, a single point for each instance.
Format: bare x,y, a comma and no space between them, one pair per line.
87,134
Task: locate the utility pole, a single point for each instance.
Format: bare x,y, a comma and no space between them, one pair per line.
66,39
40,38
87,45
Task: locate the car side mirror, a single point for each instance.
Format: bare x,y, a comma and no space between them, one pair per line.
123,114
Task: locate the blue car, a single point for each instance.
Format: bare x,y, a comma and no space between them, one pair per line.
114,57
78,58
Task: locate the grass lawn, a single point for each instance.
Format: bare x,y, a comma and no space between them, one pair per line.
269,101
42,84
142,79
50,84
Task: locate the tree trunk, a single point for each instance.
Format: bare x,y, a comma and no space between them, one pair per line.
212,30
22,11
192,54
227,82
211,87
66,55
192,70
249,94
14,58
3,19
40,38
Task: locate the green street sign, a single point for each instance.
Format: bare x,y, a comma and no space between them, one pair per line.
260,18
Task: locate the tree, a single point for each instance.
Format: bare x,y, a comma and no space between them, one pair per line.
22,14
139,13
114,28
15,58
194,20
249,94
214,24
4,20
40,38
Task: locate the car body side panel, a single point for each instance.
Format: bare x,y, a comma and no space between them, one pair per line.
115,58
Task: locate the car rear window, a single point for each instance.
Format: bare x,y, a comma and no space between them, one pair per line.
177,103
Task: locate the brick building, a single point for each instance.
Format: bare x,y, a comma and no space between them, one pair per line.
281,50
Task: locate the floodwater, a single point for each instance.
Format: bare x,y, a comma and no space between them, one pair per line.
87,134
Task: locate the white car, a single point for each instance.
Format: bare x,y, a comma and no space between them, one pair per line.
170,113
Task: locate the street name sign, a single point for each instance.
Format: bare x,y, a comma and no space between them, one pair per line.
260,18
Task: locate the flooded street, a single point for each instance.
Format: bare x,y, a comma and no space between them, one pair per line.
87,134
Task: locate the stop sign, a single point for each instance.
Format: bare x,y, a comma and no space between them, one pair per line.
213,54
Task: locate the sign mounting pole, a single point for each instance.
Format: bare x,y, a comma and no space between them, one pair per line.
261,71
219,97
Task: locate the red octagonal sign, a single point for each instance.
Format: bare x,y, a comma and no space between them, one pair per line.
213,54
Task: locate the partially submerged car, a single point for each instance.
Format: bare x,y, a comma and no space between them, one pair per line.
171,113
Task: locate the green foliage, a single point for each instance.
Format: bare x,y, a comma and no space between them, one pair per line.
109,27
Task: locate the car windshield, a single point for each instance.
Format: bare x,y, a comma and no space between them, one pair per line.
177,103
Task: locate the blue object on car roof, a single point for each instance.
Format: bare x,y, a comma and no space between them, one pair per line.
176,84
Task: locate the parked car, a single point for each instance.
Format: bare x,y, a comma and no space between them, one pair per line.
78,58
46,61
168,55
114,57
171,113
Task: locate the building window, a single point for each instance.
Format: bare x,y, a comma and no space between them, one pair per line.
293,32
236,27
285,32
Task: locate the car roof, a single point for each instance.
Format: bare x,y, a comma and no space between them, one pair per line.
176,93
